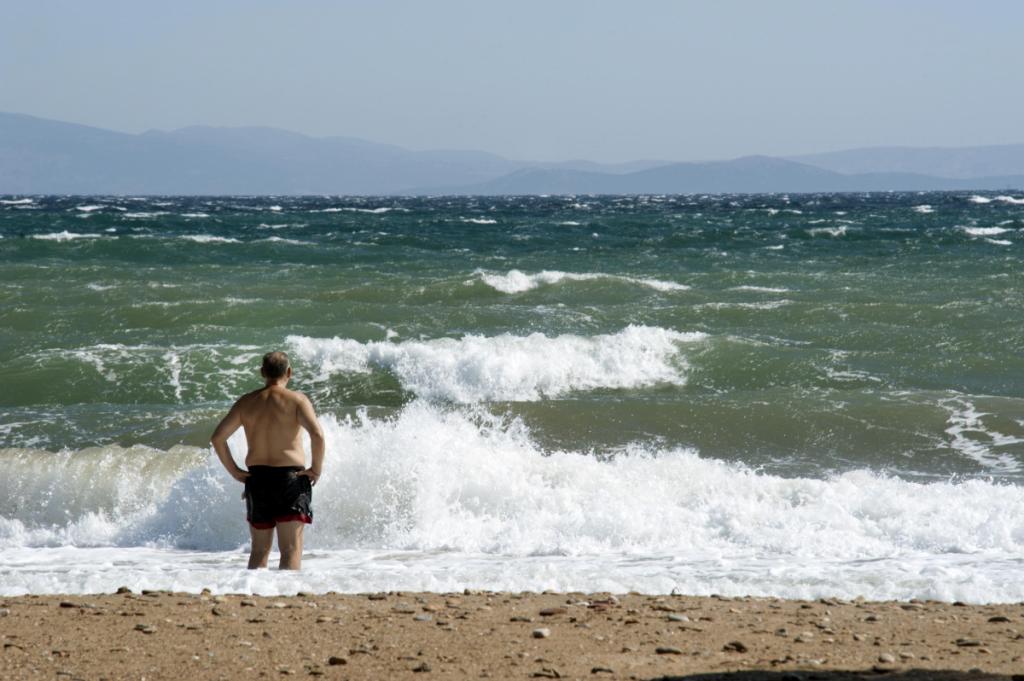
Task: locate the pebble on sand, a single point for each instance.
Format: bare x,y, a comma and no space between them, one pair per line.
668,650
541,632
551,612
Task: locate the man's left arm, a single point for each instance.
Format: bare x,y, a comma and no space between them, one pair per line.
308,420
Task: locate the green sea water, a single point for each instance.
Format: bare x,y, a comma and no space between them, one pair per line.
801,335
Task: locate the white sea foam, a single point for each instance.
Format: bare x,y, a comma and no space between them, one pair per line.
985,231
830,231
195,215
1011,200
282,240
90,208
209,239
979,199
347,209
65,236
100,287
515,281
506,367
142,215
442,499
1000,242
970,436
480,221
766,305
16,202
763,289
925,208
570,223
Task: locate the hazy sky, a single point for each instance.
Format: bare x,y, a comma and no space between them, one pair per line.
548,80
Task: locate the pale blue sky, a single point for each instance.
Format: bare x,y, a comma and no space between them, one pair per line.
545,80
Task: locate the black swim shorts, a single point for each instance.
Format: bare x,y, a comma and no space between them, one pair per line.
277,494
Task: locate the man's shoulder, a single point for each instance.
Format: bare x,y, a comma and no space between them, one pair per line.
298,396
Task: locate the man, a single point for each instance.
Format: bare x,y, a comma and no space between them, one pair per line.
278,486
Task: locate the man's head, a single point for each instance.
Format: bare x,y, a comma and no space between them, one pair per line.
275,366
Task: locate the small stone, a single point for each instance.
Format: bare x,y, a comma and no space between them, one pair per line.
248,603
602,670
968,642
423,617
334,660
421,667
520,618
220,612
999,619
547,673
871,618
782,631
403,609
551,612
858,637
668,650
4,612
886,658
906,655
377,597
735,647
68,604
145,628
678,618
662,607
123,590
912,606
541,632
323,619
277,605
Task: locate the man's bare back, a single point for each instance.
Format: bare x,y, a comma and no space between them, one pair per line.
273,418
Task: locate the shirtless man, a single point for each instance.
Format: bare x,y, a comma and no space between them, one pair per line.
278,486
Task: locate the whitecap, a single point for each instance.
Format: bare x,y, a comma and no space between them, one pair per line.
66,236
209,239
516,281
985,231
507,367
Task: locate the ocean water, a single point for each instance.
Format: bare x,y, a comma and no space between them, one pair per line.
799,396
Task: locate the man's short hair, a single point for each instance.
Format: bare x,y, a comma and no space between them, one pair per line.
275,364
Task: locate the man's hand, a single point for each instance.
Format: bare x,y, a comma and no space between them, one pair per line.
239,474
313,475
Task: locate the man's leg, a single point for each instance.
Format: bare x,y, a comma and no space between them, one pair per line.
262,540
289,542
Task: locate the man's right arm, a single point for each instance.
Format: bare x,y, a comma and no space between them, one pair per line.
308,420
228,425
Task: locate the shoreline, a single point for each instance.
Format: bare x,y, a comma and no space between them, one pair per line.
480,634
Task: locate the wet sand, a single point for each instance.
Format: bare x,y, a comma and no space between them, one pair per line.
162,635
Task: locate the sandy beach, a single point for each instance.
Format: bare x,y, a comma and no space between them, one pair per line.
163,635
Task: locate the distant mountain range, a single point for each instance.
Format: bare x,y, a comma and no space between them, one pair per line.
39,156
